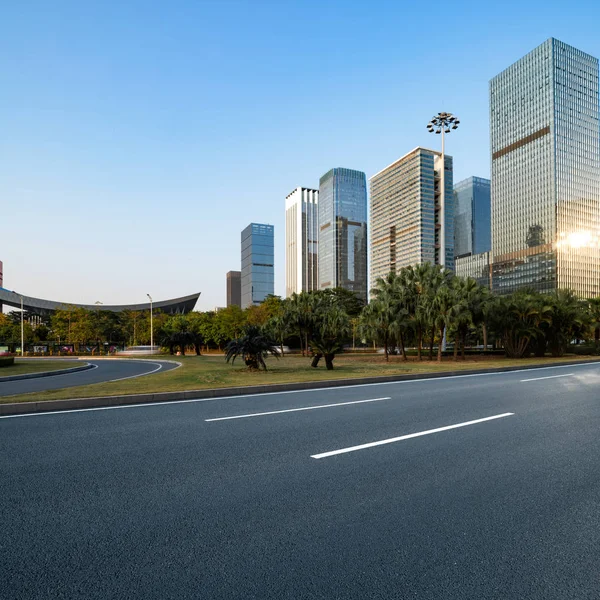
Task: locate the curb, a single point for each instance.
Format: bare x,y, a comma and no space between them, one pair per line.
46,373
20,408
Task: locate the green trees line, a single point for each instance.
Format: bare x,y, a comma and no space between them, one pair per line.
411,312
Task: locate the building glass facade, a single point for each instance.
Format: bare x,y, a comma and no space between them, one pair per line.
234,288
476,266
405,213
545,145
258,276
343,231
472,216
301,241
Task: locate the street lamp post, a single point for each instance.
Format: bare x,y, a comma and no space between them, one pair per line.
151,326
443,123
22,326
22,331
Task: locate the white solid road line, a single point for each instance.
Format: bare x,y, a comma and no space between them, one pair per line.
310,390
289,410
549,377
407,437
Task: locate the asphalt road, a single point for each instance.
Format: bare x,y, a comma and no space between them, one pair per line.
156,502
103,371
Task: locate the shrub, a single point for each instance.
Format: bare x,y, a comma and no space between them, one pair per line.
7,361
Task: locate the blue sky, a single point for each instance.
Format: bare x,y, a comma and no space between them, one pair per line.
137,139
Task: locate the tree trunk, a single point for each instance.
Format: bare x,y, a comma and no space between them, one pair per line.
315,361
197,347
463,344
385,348
485,336
306,342
329,361
432,339
456,338
419,342
402,348
281,348
182,349
439,353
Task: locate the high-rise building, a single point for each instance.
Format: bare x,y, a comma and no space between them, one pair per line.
257,263
301,241
1,283
234,288
476,266
405,211
472,216
545,146
343,231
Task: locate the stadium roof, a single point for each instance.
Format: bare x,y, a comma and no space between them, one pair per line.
182,305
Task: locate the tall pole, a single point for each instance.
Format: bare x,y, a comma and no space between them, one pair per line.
443,123
443,207
151,326
22,331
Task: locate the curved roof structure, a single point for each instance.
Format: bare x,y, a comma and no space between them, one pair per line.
181,305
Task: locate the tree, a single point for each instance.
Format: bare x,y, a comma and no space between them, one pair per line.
333,324
594,315
516,320
567,319
176,332
277,327
196,322
253,346
379,315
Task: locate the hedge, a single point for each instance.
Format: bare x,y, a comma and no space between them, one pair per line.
7,361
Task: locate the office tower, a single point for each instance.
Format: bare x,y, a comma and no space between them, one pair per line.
301,241
257,263
234,288
476,266
544,121
343,231
405,210
1,282
472,216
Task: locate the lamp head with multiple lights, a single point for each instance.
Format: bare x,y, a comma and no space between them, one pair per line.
443,121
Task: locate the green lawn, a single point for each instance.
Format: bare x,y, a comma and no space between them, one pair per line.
23,367
201,372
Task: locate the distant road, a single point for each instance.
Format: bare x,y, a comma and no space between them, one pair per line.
103,371
475,487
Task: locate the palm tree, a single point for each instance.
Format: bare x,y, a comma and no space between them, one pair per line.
253,346
594,312
517,320
380,315
444,304
567,320
326,342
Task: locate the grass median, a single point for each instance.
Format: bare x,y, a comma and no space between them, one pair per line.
27,366
204,372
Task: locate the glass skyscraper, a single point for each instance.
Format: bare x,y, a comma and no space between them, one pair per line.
258,279
545,145
301,241
343,231
472,216
405,213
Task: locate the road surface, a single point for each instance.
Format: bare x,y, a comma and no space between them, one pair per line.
472,487
103,371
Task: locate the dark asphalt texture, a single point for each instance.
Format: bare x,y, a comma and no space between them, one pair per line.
153,502
106,370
